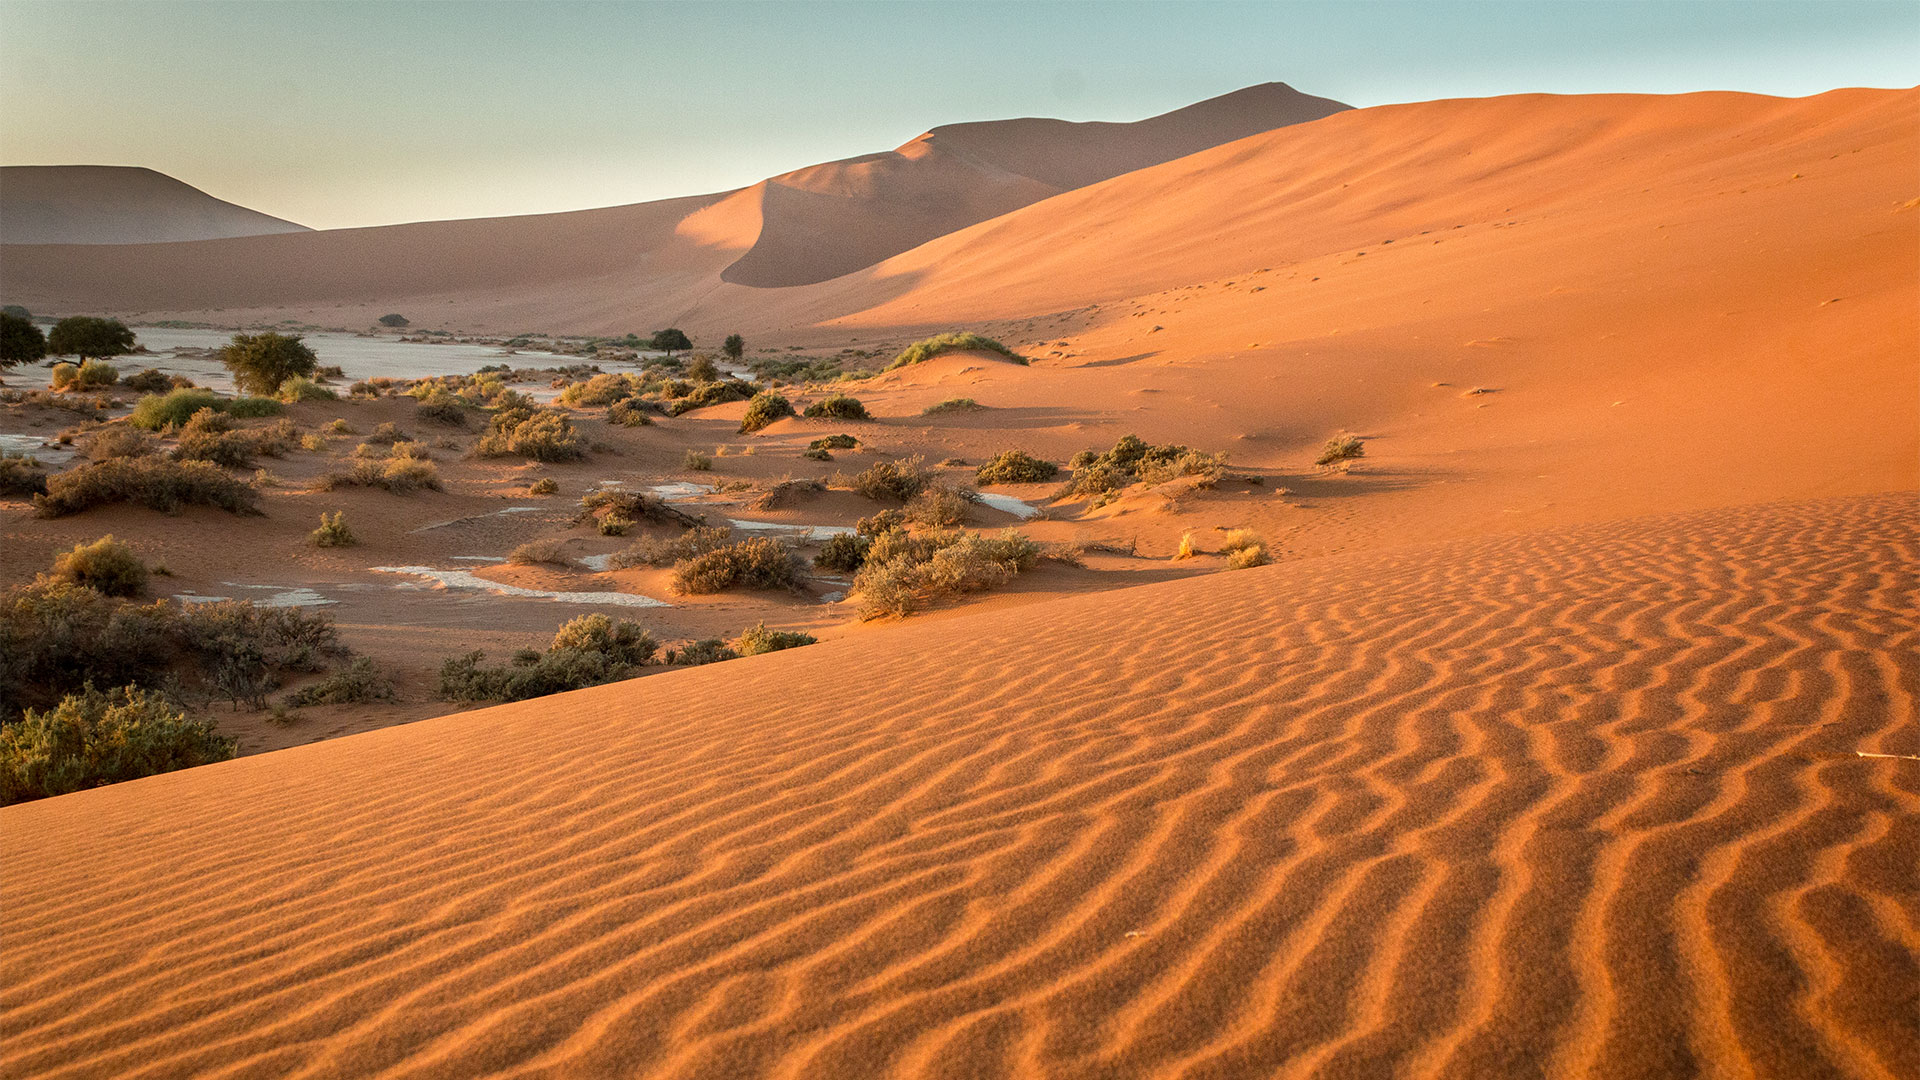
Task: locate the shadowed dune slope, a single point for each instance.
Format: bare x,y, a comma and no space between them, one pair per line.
1582,802
113,204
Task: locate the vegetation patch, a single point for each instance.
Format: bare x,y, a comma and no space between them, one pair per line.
903,572
960,341
333,531
155,483
758,639
93,738
533,433
106,565
587,651
1132,460
358,683
666,551
756,563
896,480
952,405
22,475
838,407
765,408
1341,448
1015,467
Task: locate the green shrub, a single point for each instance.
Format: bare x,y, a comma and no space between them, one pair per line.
1341,448
959,341
209,436
403,473
538,435
301,388
615,524
442,408
765,408
952,405
360,682
64,377
242,650
817,454
94,738
696,461
333,531
653,551
834,442
603,389
22,475
117,441
902,572
106,565
706,651
1133,459
882,522
150,381
261,363
155,483
632,505
386,435
1015,467
838,407
757,563
758,639
588,651
898,480
631,412
713,393
94,375
546,485
843,553
938,506
625,642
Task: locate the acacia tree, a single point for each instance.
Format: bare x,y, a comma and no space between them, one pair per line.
735,347
90,338
261,362
21,342
670,341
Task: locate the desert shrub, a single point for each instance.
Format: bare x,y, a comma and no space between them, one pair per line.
666,551
442,408
705,651
757,563
897,480
402,473
952,405
333,531
242,650
702,369
713,393
588,651
696,461
356,684
313,441
615,524
261,363
786,493
1247,557
106,566
938,506
117,441
55,636
838,407
834,442
339,426
967,341
64,377
546,485
22,475
155,483
171,409
843,553
881,522
903,572
1014,467
632,505
817,454
1341,448
623,641
386,435
765,408
94,374
535,552
1134,460
603,389
1189,547
94,738
301,388
758,639
150,381
209,436
630,412
539,435
1244,548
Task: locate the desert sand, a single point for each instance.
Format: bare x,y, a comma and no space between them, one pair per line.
111,204
1573,734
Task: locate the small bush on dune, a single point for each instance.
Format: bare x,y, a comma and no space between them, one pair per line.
64,377
539,435
150,381
696,461
897,480
301,388
155,483
442,408
1015,467
881,522
962,341
765,408
655,551
536,552
952,405
758,563
817,454
706,651
359,683
209,436
333,531
1244,548
1133,460
838,407
546,485
21,475
938,506
625,642
1341,448
588,651
632,505
1189,547
172,409
386,435
629,413
713,393
615,524
117,441
603,389
94,738
843,553
786,493
758,639
903,573
401,474
834,442
106,565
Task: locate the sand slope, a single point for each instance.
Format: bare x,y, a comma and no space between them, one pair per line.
112,204
1571,803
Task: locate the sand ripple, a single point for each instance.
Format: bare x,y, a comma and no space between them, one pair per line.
1575,803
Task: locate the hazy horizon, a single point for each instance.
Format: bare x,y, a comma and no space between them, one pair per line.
499,109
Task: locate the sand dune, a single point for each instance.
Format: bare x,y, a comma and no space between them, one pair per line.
111,204
1572,803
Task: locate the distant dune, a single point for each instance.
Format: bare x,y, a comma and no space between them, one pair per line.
1581,803
112,204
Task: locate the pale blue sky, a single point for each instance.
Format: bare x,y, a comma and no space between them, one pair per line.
339,114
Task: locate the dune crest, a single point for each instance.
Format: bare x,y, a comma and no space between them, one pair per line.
112,204
1585,802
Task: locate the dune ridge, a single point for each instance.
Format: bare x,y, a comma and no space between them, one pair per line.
1571,802
116,204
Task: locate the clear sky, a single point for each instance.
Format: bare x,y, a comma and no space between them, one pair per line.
342,114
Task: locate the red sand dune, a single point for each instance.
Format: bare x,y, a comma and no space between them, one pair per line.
112,204
1575,803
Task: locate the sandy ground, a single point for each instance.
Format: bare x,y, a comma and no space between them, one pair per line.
1538,753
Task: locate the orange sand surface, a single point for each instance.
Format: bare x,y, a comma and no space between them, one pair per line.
1574,802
